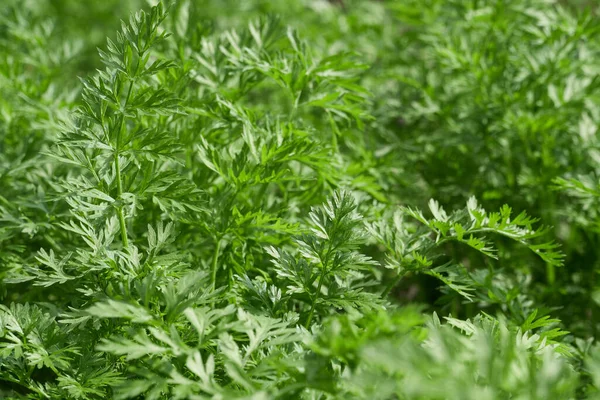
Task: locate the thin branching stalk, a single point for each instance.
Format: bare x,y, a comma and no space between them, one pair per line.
120,215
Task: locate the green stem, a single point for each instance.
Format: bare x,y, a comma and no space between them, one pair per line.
314,302
120,214
325,265
214,264
392,285
119,180
455,307
550,274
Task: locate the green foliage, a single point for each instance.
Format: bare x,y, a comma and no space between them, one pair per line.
224,200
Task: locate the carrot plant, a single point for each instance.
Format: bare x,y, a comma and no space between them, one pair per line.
298,200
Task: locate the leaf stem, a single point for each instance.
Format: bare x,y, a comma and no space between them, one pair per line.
392,284
325,264
118,178
214,264
120,214
314,303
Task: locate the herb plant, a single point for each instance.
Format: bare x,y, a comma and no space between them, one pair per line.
299,200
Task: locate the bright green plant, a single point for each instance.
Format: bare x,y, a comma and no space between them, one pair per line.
226,205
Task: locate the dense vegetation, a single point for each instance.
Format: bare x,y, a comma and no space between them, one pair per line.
301,199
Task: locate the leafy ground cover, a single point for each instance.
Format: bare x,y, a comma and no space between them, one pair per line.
299,200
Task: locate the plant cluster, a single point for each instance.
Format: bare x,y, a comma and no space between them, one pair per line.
299,200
